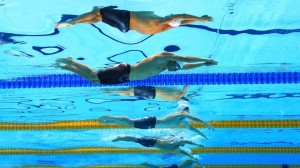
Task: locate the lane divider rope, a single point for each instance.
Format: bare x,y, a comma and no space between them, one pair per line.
108,150
138,166
72,80
94,124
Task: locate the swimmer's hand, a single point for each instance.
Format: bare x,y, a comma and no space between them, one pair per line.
209,126
206,18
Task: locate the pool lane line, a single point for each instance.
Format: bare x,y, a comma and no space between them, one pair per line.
109,150
94,124
73,80
138,166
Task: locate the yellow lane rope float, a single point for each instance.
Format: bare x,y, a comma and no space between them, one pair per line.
107,150
94,124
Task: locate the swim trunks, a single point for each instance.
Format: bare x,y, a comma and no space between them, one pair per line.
147,92
147,141
114,75
145,123
172,166
116,18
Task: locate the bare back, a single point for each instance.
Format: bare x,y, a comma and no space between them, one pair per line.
150,66
167,146
147,22
171,120
169,94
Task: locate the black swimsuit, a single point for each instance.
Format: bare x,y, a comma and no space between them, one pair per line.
172,166
114,75
145,123
147,141
147,92
116,18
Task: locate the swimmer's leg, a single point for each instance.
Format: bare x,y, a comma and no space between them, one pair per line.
72,69
80,69
121,120
125,138
89,17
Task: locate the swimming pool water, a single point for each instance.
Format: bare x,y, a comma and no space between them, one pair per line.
246,37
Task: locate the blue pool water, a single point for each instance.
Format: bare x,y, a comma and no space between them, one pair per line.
257,78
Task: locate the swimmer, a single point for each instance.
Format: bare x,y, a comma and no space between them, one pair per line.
166,145
120,73
171,120
188,163
144,22
149,92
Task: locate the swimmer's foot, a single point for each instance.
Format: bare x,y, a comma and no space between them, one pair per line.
105,119
117,139
64,24
64,60
97,8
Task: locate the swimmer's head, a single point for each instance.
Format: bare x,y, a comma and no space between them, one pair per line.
175,23
174,66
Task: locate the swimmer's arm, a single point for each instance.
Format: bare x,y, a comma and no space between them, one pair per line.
199,120
186,18
187,154
188,126
189,59
183,17
184,90
193,66
192,143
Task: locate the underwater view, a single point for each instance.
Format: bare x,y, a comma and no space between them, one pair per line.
150,83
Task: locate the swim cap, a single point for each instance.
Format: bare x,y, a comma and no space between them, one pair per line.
179,65
175,23
183,105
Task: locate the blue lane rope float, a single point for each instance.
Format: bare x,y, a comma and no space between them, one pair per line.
72,80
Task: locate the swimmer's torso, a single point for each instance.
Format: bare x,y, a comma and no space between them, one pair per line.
150,66
166,145
147,23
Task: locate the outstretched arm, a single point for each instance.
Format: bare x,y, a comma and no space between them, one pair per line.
189,59
187,154
188,126
192,143
196,65
186,18
198,120
189,163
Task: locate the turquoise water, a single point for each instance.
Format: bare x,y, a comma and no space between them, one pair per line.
246,36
